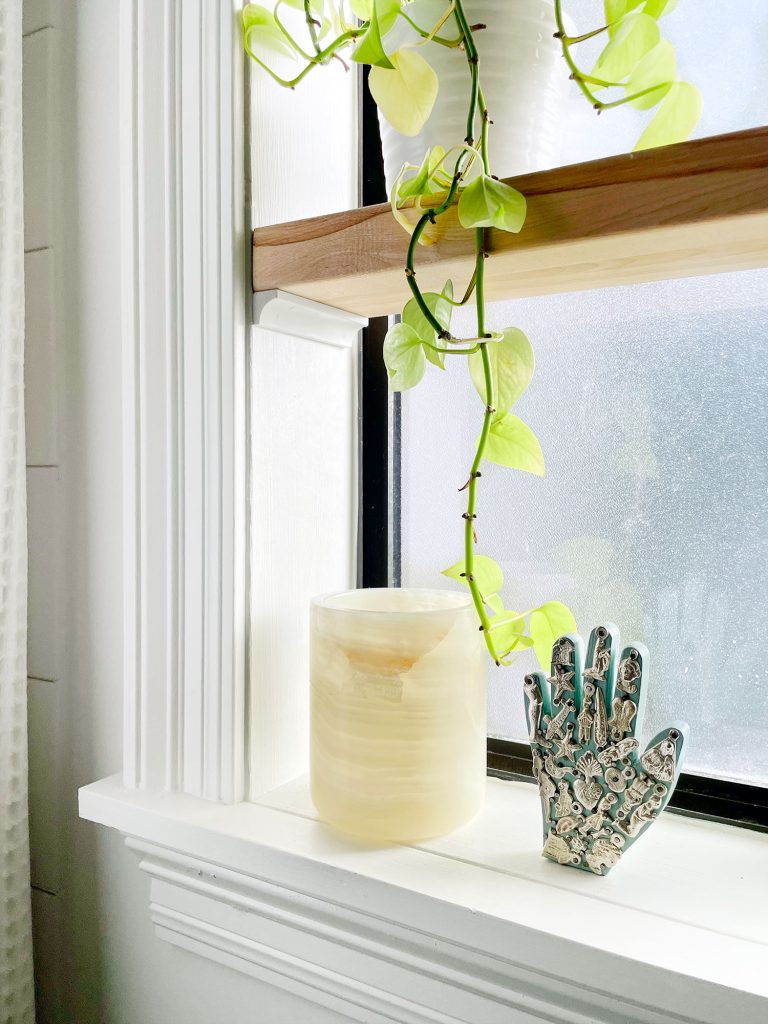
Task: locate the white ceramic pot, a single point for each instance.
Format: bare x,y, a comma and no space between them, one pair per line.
524,79
398,721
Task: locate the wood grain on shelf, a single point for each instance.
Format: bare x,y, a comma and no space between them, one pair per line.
695,208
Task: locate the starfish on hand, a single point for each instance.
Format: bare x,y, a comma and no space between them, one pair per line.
561,681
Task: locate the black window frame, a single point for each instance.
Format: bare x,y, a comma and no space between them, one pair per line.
699,796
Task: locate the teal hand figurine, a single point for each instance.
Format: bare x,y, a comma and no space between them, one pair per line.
599,793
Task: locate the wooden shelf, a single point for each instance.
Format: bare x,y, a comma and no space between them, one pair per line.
696,208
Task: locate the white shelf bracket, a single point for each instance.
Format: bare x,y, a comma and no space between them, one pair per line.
283,313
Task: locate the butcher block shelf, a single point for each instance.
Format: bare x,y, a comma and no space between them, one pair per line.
694,208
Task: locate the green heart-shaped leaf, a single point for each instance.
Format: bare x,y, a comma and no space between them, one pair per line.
512,365
487,574
635,35
615,10
420,183
403,357
406,94
548,623
370,49
512,443
675,119
508,633
657,68
261,33
487,203
361,8
441,309
386,11
659,8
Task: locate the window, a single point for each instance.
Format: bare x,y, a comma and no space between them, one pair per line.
649,402
650,405
710,39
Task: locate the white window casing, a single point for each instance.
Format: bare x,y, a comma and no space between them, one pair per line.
184,343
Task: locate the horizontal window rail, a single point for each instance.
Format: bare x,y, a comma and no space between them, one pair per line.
733,803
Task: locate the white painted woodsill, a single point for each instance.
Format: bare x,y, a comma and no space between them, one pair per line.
475,927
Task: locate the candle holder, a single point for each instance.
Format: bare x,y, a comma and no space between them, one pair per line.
599,793
398,726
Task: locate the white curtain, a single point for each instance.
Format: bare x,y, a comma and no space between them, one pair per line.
16,998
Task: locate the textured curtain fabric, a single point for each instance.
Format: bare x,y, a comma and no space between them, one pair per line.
16,999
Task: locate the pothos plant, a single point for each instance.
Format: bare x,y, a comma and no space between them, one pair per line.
635,62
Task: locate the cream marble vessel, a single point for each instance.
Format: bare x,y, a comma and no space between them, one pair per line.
398,716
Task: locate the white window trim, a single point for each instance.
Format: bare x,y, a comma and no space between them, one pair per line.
401,934
186,311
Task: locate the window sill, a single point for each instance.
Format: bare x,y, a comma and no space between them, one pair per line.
474,927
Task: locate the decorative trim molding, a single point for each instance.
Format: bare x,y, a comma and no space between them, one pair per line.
185,312
358,962
428,935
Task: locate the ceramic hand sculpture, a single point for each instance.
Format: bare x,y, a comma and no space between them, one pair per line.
599,793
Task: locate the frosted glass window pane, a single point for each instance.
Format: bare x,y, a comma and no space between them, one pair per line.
720,47
651,404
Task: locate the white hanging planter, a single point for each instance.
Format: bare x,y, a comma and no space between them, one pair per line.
524,80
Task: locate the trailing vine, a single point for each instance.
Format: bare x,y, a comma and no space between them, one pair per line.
638,64
501,364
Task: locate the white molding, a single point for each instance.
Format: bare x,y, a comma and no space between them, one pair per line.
423,935
185,312
360,963
283,313
305,368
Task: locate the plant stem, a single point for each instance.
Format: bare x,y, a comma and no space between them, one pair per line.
563,37
467,294
484,131
311,26
410,271
324,55
469,529
476,103
572,40
288,36
477,99
590,80
634,96
452,43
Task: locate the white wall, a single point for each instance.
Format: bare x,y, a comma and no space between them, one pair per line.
97,959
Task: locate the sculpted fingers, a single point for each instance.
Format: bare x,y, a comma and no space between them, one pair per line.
565,678
597,688
534,689
565,685
628,701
